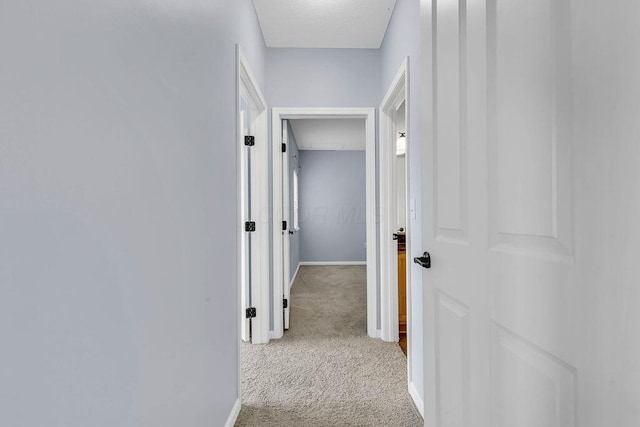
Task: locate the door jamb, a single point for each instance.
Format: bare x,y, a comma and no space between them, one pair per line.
286,241
277,115
397,93
246,83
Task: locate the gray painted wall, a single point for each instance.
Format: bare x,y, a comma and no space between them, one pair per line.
323,77
402,40
294,162
116,255
332,202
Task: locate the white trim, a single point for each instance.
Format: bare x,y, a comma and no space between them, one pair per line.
293,279
278,114
333,262
278,217
233,416
241,268
323,113
274,336
286,213
397,93
413,392
372,219
247,85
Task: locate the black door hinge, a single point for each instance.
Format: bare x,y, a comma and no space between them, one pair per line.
250,226
285,303
284,147
250,312
284,225
249,140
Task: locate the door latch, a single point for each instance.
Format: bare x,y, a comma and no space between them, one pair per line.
424,260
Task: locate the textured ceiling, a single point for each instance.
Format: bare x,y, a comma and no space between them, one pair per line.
324,23
329,134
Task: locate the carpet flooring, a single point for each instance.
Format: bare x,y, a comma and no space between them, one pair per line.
326,371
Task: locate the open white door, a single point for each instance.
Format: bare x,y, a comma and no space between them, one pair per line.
281,227
286,226
253,228
244,200
501,297
458,332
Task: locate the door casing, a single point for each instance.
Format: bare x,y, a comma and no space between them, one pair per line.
247,86
397,93
395,96
280,279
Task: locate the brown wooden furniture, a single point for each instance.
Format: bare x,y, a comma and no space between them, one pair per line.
402,291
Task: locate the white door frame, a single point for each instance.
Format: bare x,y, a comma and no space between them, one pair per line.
397,93
280,279
247,86
286,237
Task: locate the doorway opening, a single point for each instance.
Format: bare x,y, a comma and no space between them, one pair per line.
395,214
284,230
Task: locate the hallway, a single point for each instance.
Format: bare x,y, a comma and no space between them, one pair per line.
326,371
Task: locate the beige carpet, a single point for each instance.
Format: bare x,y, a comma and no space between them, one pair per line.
326,371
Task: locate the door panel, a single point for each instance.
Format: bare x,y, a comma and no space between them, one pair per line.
529,125
522,56
450,144
531,388
452,319
286,237
499,188
530,261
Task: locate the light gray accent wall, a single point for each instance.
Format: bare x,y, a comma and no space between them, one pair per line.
117,192
333,209
323,77
294,162
402,40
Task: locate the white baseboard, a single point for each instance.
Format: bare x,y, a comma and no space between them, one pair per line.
416,399
333,263
233,416
274,336
376,333
293,279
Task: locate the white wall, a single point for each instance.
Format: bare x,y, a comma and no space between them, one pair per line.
117,260
402,40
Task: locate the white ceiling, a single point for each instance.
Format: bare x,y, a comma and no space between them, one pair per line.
329,134
324,23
